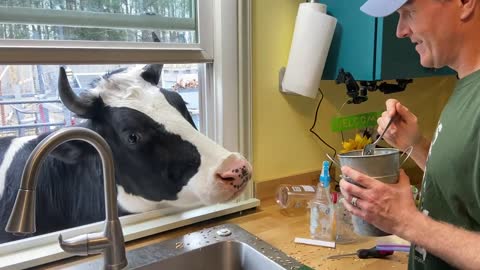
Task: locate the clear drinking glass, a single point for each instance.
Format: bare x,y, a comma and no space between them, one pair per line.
344,225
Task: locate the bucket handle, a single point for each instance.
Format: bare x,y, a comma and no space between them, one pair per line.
333,160
407,151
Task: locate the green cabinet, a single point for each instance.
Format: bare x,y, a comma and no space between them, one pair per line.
368,48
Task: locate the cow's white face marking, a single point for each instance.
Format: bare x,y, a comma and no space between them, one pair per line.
15,145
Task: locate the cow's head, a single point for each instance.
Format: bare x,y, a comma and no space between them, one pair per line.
159,154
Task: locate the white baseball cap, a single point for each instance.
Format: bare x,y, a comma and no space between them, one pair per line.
381,8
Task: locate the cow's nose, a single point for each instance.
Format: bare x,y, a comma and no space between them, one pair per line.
235,171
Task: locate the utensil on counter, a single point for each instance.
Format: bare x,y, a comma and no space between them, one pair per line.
365,254
369,149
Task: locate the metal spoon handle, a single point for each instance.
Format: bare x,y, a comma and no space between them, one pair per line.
385,130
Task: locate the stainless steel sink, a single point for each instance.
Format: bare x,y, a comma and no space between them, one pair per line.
224,247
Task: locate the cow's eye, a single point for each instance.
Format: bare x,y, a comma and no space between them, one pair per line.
133,138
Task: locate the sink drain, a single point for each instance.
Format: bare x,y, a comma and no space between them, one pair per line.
224,232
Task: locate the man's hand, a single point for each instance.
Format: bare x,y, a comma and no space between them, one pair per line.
386,206
404,131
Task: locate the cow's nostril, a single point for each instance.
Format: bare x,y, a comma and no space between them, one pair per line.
225,178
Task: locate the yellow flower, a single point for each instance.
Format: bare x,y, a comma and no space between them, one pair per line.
357,143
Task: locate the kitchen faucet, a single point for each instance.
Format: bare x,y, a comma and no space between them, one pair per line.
22,218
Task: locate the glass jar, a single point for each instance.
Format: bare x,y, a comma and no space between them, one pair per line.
295,196
343,224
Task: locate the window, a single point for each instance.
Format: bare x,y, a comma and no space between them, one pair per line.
89,39
30,105
130,21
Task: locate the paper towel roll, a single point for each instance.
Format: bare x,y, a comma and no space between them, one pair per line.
310,44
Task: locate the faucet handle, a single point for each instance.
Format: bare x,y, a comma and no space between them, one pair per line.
86,244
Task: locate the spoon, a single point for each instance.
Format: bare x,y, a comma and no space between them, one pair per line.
369,149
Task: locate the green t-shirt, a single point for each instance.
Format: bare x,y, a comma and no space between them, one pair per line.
451,183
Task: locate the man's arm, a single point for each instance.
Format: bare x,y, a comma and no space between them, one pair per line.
456,246
420,153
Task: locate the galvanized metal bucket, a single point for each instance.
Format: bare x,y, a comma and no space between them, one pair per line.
383,165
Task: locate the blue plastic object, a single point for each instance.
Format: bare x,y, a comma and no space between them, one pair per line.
325,174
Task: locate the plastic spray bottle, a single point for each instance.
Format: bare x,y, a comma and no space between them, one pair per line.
322,214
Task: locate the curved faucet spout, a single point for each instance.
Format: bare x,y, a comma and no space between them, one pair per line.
22,218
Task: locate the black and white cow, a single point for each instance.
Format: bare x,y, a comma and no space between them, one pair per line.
160,157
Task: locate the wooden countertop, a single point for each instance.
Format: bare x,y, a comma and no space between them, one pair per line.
278,228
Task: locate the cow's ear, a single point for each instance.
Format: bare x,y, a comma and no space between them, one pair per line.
152,73
70,152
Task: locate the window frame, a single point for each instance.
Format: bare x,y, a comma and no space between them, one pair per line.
225,46
94,19
112,52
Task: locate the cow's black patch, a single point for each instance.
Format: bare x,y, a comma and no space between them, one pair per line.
156,164
151,73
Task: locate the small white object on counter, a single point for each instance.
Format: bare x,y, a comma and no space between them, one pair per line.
314,242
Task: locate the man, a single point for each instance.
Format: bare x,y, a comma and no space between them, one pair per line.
445,231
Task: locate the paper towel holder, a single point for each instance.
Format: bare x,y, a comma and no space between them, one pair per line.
281,74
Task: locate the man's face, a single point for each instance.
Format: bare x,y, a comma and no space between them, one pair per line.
431,25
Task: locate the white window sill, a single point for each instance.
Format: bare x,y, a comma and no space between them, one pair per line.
17,255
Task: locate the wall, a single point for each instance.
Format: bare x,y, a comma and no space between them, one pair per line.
282,143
